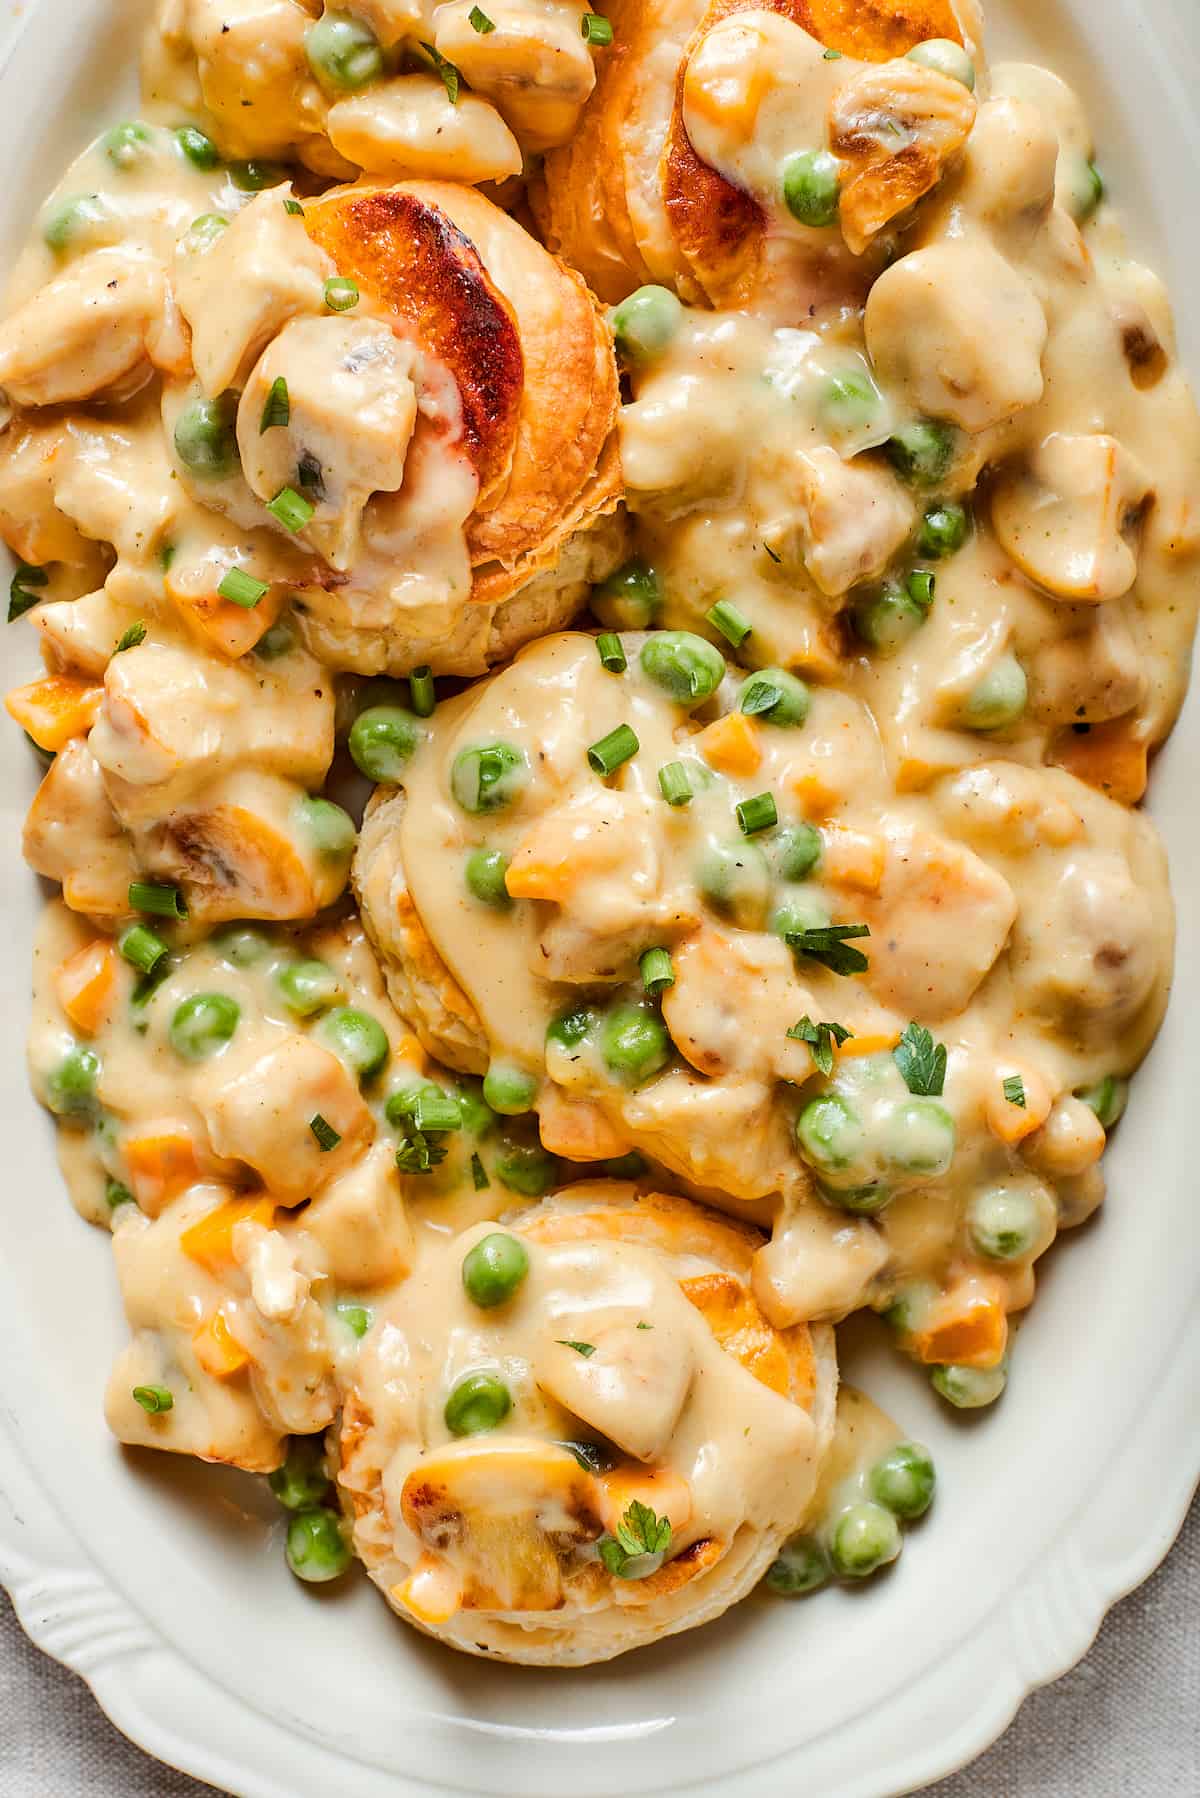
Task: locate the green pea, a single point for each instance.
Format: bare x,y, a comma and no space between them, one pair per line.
493,1269
903,1480
1004,1222
358,1039
571,1028
801,1566
383,740
316,1548
999,698
71,1088
919,1136
735,878
888,618
776,697
357,1318
255,176
829,1133
508,1089
206,438
330,829
485,872
308,987
810,187
945,57
850,401
477,1115
629,599
1108,1098
795,915
73,222
862,1201
921,452
525,1168
202,234
203,1025
634,1042
644,324
970,1388
198,147
127,145
280,640
477,1403
1085,190
866,1538
685,666
796,850
343,53
488,777
943,530
302,1482
241,946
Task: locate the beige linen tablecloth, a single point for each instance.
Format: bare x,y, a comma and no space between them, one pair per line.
1124,1724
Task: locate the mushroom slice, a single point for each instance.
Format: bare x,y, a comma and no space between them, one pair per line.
1067,518
497,1520
895,127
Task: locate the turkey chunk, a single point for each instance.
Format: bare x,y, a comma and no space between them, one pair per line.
257,1109
352,408
261,272
361,1225
85,332
535,65
958,331
72,835
632,1387
895,127
854,517
1067,517
410,127
254,74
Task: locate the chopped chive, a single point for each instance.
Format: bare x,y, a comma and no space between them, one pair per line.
833,56
758,813
919,587
292,510
658,972
829,945
357,1318
142,947
434,1110
341,294
166,556
293,209
20,600
611,652
198,147
596,29
451,79
606,756
117,1194
154,1399
480,22
1014,1090
327,1137
421,692
479,1174
278,409
586,1349
129,639
159,900
673,783
242,589
733,625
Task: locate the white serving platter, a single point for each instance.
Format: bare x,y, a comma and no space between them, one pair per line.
164,1585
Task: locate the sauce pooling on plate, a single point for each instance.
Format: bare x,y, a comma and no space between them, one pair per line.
774,941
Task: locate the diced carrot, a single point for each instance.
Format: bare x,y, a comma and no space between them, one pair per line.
535,876
160,1167
55,709
867,1045
817,797
217,1350
99,892
853,858
84,985
913,772
967,1325
210,1239
218,623
576,1128
733,106
731,744
1010,1122
1108,756
666,1492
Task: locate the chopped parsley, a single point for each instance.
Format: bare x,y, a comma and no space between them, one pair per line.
829,945
921,1061
1014,1090
639,1534
821,1039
